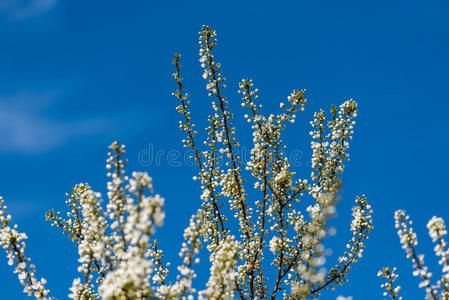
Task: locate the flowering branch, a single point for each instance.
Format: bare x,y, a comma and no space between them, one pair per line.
13,243
297,256
391,276
409,241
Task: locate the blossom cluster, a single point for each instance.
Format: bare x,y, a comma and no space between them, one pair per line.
13,242
390,290
409,241
116,252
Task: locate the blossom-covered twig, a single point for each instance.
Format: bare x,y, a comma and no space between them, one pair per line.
13,242
390,290
409,241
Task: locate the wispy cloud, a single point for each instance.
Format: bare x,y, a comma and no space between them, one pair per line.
24,9
24,209
25,128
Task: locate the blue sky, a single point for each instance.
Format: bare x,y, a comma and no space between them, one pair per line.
76,75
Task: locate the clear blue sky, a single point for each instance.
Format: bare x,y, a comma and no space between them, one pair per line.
76,75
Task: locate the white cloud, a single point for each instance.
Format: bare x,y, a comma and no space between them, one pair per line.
24,9
25,128
24,209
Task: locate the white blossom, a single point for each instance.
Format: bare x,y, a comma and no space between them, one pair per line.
13,242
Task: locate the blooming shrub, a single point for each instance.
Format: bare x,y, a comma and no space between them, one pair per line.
277,250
